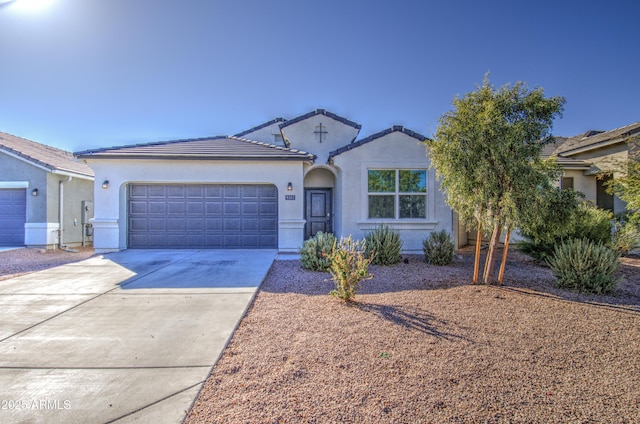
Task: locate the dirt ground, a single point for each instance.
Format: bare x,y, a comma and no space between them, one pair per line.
423,345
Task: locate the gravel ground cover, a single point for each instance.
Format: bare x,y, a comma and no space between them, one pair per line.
22,261
423,345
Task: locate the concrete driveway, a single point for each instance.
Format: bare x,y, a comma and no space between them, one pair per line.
125,337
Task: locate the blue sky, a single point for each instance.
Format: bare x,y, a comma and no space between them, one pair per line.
79,74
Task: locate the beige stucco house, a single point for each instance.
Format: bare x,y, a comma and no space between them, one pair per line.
271,186
587,157
46,195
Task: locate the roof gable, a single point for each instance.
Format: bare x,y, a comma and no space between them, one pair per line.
47,157
320,112
207,148
376,136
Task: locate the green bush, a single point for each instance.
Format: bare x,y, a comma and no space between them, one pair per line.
438,248
626,238
315,253
581,264
349,268
551,228
383,245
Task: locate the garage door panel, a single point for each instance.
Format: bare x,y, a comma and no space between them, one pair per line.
250,208
202,216
231,208
176,208
13,215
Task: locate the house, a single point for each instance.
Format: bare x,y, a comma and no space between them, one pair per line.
272,186
587,158
46,195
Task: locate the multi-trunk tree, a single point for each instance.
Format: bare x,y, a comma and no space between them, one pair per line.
487,153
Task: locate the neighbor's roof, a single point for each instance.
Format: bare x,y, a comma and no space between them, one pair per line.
208,148
50,158
320,112
595,139
375,136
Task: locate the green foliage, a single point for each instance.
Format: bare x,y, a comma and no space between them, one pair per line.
626,183
349,268
557,215
315,253
383,245
594,224
581,264
626,237
438,248
487,151
487,154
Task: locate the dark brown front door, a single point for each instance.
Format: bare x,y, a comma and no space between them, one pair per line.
317,211
603,199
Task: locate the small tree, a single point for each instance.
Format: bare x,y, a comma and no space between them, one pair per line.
487,153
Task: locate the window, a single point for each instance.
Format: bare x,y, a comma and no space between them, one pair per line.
566,183
397,193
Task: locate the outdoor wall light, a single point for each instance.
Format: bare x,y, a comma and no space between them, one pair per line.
105,184
289,187
34,192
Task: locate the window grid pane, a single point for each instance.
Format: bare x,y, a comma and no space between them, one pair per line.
413,181
382,206
381,181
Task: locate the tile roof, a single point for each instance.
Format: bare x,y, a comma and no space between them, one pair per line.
320,112
375,136
208,148
594,139
259,127
51,158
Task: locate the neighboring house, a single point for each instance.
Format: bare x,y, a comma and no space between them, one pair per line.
272,186
586,159
45,195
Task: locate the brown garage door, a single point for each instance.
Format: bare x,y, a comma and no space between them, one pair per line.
195,216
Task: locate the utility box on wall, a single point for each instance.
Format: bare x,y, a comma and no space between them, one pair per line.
86,215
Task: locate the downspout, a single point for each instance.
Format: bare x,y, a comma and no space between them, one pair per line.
61,213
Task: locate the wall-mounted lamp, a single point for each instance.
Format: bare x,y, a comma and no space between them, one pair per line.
105,184
34,192
289,187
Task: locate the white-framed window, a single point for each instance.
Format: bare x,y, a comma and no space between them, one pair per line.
397,193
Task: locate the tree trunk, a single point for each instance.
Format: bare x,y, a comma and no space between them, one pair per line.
491,255
476,264
504,256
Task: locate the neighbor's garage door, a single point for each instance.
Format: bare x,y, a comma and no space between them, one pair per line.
203,216
13,215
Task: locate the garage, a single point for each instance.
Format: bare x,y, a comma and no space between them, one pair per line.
202,216
13,215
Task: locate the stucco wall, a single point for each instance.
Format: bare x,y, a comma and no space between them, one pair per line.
302,136
110,222
393,151
74,192
585,184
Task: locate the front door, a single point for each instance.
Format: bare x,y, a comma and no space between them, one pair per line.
317,211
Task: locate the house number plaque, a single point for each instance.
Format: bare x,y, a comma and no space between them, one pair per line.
289,197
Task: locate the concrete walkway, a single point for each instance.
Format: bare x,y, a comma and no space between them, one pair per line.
125,337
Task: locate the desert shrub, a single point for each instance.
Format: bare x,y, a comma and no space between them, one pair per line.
349,268
383,245
594,224
438,248
626,237
581,264
315,253
558,217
